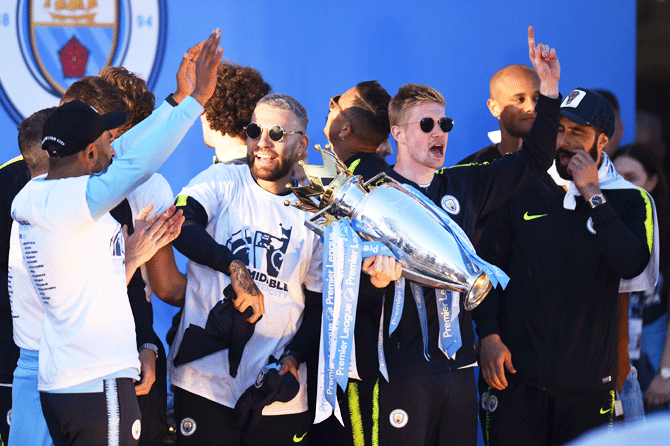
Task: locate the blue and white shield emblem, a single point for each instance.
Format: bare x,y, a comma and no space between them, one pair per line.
54,43
70,39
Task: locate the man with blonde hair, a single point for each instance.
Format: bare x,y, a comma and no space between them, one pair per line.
433,401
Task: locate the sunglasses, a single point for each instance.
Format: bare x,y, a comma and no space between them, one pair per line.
275,133
335,103
427,124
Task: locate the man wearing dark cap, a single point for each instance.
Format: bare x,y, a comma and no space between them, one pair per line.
549,342
74,253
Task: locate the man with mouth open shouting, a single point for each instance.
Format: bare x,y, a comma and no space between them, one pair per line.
549,341
433,401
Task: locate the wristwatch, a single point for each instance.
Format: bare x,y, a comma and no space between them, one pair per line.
150,346
664,372
597,200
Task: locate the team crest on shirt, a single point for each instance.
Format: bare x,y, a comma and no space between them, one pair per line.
398,418
50,44
187,427
450,204
260,250
137,429
589,226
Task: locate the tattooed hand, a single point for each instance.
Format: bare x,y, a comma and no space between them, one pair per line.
248,294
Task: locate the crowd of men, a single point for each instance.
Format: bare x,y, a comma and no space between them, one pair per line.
93,228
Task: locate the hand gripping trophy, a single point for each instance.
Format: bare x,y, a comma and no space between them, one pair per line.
431,248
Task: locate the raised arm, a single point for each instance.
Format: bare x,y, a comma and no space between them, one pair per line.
145,156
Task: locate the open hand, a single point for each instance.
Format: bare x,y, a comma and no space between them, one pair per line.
206,67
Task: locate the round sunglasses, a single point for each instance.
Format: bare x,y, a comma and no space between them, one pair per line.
276,133
427,124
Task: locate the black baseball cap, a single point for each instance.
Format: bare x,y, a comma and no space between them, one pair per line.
74,125
588,107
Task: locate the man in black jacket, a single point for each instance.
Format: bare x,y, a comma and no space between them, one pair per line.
434,401
549,341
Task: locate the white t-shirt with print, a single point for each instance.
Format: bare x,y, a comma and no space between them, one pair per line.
281,254
77,266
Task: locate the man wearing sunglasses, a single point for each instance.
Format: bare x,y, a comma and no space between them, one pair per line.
434,401
239,232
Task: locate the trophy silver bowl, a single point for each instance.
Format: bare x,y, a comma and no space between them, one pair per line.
382,210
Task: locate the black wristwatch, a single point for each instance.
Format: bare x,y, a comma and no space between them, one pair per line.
170,100
596,200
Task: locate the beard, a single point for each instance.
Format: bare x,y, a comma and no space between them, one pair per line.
281,170
563,170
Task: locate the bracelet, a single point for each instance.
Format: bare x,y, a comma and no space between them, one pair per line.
170,100
150,346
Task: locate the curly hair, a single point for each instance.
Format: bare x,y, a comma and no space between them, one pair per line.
134,92
238,88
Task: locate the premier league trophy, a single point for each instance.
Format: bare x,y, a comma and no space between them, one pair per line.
383,210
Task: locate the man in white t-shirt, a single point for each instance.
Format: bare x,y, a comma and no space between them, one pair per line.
74,252
239,232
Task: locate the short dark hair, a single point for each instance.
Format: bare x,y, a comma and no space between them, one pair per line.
238,89
30,141
370,113
408,96
612,98
96,92
139,99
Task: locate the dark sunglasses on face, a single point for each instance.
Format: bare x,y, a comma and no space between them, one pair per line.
427,124
276,132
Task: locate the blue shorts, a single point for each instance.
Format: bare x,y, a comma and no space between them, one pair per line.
28,424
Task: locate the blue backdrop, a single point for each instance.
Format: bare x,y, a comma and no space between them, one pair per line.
314,50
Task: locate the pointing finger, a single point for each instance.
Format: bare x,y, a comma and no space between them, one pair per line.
531,43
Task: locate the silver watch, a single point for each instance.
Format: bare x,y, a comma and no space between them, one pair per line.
150,346
596,200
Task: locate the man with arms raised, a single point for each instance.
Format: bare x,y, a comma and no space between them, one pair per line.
433,401
75,256
549,341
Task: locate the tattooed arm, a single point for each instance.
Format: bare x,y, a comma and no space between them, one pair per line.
248,294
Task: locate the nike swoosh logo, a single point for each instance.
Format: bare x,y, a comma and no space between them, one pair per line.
603,411
533,217
297,439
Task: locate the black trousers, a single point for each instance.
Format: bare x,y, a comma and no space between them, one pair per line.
438,409
530,415
153,405
203,422
104,418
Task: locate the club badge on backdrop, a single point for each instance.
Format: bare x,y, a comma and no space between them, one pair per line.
50,44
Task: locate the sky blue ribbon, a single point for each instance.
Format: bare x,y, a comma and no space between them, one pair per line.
448,308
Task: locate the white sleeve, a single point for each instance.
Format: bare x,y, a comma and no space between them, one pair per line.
211,188
155,190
